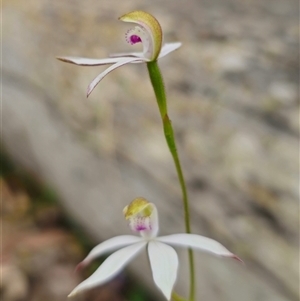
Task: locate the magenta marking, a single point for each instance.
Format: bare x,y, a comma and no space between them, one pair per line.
134,39
141,228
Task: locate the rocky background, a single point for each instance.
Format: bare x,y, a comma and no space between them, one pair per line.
233,99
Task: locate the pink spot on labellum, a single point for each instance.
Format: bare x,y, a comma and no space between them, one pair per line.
134,39
140,228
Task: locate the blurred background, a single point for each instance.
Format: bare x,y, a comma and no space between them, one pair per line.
70,165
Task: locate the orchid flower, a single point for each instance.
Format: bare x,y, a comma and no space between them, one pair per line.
148,32
143,219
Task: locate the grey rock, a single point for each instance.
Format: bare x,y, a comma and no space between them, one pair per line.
239,148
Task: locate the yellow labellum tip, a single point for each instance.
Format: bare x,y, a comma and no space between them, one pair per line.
137,206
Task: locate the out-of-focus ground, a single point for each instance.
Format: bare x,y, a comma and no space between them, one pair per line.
233,99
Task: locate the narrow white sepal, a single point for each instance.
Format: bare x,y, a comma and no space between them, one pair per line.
109,268
110,245
82,61
197,242
164,265
167,48
121,62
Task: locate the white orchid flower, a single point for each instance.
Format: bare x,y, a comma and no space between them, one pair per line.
143,218
148,32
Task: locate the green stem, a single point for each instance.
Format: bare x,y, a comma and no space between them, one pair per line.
159,90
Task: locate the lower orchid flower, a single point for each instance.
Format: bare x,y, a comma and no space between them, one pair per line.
143,219
148,32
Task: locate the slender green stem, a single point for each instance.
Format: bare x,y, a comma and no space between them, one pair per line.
159,90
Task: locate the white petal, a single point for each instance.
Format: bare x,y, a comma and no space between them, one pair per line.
127,54
82,61
167,48
120,63
197,242
109,245
109,268
164,265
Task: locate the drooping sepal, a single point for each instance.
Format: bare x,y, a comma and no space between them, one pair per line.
164,266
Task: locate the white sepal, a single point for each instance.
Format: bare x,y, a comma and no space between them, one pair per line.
110,267
121,62
164,265
167,48
82,61
197,242
110,245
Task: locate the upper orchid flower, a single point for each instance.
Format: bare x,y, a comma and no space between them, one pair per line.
148,32
143,218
